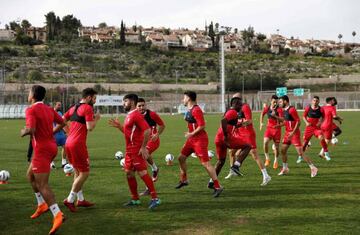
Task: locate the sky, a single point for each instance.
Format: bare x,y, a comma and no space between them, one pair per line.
306,19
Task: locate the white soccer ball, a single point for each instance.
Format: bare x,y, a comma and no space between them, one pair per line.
273,147
211,153
169,157
119,155
193,155
334,140
122,162
4,175
68,169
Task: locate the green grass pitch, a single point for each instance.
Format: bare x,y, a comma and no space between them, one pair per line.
293,204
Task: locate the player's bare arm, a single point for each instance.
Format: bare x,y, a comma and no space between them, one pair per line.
261,120
297,125
91,125
306,122
114,122
224,129
59,127
160,130
197,130
27,131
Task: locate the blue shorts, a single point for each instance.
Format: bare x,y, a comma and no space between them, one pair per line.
60,140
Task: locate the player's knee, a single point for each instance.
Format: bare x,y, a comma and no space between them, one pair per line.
181,158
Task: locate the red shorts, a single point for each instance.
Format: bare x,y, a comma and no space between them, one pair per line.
153,145
78,156
221,148
135,162
273,134
327,133
310,131
43,155
249,136
294,140
199,146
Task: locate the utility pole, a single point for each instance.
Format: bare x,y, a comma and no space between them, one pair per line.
222,72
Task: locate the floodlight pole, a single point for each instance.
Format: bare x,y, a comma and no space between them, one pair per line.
222,69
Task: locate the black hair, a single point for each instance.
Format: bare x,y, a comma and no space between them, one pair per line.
191,95
285,97
141,100
274,97
316,97
38,92
88,92
335,101
132,97
234,99
328,99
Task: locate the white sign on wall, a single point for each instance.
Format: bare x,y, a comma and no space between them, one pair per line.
109,100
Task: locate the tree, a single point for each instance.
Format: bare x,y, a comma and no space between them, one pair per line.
7,27
134,28
69,27
122,33
25,24
261,37
340,37
50,25
212,33
14,26
248,36
102,25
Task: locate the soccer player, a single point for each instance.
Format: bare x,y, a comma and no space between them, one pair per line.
137,134
273,129
312,117
82,120
246,131
60,136
157,127
225,139
39,125
292,135
196,141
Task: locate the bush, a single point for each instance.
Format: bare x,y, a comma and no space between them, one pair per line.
35,75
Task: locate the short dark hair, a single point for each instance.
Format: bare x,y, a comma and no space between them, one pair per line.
274,97
141,100
132,97
328,99
88,92
316,97
285,97
38,92
234,99
335,101
191,95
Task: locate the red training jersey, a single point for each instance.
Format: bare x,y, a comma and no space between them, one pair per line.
134,127
291,118
329,114
78,131
245,115
153,120
195,118
41,117
231,117
272,122
313,115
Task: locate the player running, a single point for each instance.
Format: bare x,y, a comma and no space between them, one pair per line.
39,125
60,136
273,129
246,131
82,120
225,138
137,135
292,135
312,117
153,120
196,141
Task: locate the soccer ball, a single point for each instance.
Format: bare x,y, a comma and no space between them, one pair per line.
122,162
4,175
193,155
169,157
119,155
68,169
334,140
211,154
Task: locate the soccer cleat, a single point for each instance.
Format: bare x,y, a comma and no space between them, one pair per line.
84,203
154,203
145,193
132,203
70,205
182,184
52,165
218,191
231,174
266,180
267,162
236,170
41,209
299,159
276,165
284,171
210,185
62,166
155,175
57,222
314,172
327,156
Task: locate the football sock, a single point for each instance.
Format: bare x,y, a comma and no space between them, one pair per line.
71,197
264,173
311,166
39,198
237,163
133,188
80,196
285,165
266,155
63,161
183,177
150,185
54,209
216,184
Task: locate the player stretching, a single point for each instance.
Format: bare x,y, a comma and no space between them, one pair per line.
273,129
225,139
153,120
312,117
197,142
39,125
246,131
82,120
137,135
60,136
292,135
